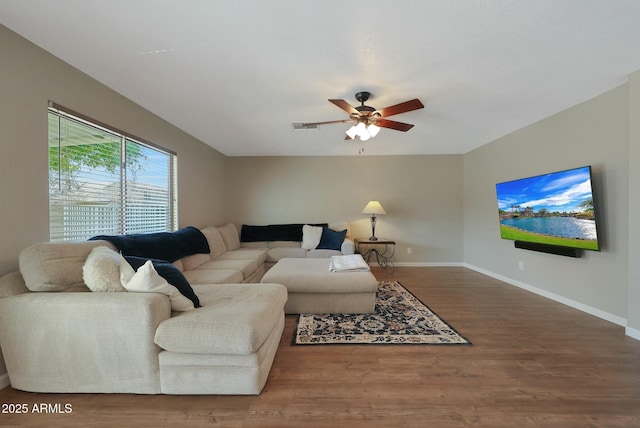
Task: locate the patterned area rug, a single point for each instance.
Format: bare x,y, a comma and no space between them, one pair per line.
400,318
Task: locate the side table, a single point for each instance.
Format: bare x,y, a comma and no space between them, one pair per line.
383,249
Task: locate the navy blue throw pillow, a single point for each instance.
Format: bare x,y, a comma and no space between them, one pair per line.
170,273
331,240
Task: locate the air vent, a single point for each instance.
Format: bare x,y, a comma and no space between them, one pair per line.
305,127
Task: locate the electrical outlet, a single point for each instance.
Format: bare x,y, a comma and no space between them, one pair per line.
409,250
521,265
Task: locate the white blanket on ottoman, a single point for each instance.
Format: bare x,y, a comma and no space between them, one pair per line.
348,263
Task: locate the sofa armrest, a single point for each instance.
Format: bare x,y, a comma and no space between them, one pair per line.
12,284
348,247
82,342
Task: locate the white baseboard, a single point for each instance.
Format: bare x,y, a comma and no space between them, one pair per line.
425,264
4,381
632,332
560,299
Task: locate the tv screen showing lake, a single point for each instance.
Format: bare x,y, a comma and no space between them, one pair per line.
566,227
553,209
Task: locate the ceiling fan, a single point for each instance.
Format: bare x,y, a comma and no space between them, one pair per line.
368,120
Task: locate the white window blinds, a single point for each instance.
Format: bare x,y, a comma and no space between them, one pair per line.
102,181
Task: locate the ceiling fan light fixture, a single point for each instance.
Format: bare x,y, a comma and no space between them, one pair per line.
373,130
361,131
368,120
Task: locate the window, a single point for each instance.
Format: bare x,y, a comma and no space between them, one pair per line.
102,181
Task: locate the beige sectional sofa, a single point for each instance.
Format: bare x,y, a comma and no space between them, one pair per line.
227,262
233,260
57,336
279,248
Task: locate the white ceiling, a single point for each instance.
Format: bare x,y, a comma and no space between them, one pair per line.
237,74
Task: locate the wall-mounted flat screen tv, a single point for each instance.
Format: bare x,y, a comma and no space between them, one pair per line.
552,209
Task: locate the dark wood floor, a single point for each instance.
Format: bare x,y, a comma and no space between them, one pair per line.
533,363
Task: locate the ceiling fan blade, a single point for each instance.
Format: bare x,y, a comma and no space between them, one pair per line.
392,124
347,138
345,106
326,123
404,107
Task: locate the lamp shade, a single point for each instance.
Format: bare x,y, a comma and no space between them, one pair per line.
374,208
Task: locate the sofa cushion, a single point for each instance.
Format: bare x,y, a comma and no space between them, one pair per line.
169,272
101,270
311,236
216,243
245,267
331,239
230,236
56,266
147,280
213,276
169,246
259,255
193,261
275,254
233,319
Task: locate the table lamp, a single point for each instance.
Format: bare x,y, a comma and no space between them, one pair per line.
374,208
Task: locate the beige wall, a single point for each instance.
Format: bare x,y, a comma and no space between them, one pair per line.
592,133
29,78
422,196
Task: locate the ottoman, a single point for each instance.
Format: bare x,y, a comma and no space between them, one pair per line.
313,289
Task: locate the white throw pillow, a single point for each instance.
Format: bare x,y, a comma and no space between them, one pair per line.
126,271
101,270
147,280
311,236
